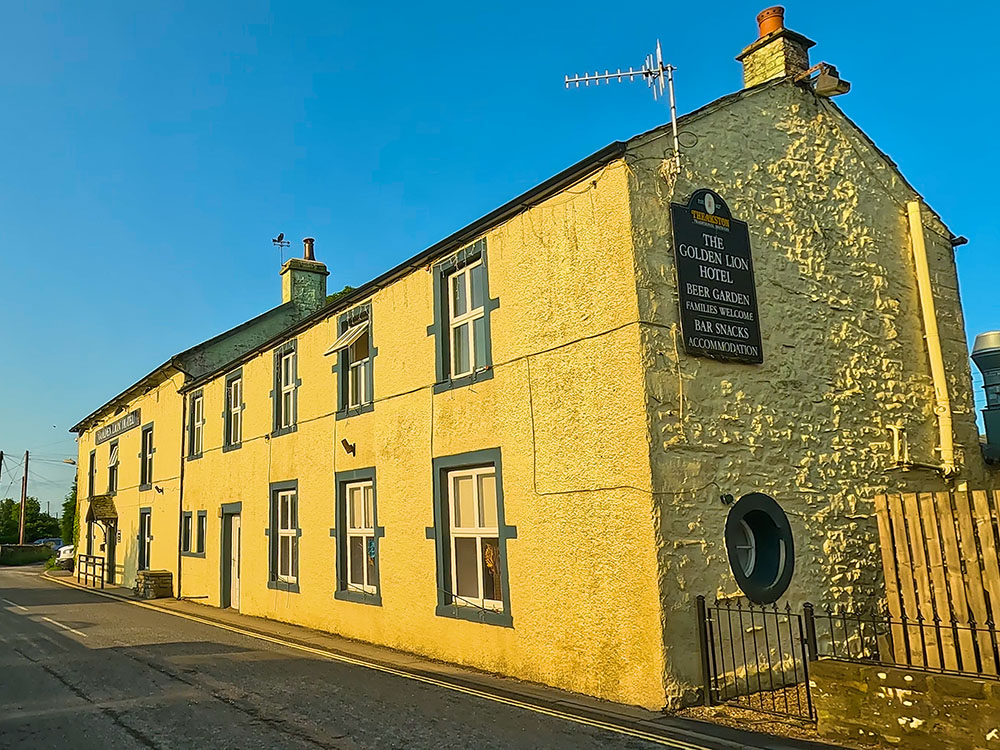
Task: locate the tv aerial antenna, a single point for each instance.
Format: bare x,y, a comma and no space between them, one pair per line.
281,243
657,75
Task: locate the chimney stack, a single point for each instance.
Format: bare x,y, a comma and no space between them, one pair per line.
986,355
303,280
778,52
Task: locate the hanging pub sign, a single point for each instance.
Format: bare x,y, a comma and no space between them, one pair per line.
715,280
117,427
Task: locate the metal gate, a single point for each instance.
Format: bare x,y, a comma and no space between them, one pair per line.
757,657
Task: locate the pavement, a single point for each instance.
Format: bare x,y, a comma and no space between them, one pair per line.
104,670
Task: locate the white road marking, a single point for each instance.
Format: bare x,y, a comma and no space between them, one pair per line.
15,604
657,739
64,627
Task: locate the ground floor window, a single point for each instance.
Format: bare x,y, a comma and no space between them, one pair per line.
357,535
475,540
284,533
186,531
471,536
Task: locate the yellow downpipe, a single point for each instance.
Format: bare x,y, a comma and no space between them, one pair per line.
942,404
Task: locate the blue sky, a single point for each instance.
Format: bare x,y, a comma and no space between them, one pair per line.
151,150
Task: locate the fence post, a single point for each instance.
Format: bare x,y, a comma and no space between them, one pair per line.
810,623
706,677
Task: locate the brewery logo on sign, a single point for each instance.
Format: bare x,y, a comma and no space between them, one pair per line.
715,281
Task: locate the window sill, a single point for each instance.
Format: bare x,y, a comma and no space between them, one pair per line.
354,411
192,554
358,597
292,588
284,430
194,457
145,487
233,447
472,614
473,377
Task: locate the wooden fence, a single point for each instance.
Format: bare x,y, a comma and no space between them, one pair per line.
941,558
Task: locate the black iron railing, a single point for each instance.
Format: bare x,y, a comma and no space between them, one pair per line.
91,569
953,646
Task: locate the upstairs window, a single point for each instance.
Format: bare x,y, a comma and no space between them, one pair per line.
462,309
146,458
285,397
197,425
360,369
355,354
92,474
287,406
234,411
467,319
113,467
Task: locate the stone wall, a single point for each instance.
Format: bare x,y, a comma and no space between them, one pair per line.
867,703
844,353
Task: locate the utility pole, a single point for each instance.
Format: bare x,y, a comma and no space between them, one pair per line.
24,495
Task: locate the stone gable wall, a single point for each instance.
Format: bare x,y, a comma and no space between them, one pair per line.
844,354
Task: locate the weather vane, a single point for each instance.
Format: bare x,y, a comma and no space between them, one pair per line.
654,72
281,243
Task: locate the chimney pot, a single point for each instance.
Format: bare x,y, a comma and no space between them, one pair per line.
770,20
307,248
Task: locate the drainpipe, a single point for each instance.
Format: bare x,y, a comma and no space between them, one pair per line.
942,404
180,492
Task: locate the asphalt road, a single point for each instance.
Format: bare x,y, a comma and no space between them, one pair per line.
81,671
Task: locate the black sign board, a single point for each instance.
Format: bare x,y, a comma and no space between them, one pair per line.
117,427
715,279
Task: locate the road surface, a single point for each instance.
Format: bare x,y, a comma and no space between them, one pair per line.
83,671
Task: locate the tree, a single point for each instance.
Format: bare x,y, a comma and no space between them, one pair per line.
37,525
70,521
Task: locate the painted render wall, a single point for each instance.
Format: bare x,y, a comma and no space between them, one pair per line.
161,405
566,406
844,354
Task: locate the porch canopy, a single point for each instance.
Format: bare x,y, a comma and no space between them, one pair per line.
102,508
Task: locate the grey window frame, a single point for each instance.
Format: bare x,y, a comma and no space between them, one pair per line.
273,582
440,533
192,398
277,430
441,327
92,474
200,532
113,468
146,457
187,531
340,532
342,368
227,413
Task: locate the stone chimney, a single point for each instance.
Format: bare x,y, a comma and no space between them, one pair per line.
778,52
303,280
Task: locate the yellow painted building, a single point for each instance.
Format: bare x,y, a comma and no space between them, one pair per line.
501,453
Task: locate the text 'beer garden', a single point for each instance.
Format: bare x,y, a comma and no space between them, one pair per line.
715,278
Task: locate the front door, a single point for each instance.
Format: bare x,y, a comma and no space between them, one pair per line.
145,537
234,564
231,542
110,548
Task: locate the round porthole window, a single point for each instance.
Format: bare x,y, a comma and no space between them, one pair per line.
759,543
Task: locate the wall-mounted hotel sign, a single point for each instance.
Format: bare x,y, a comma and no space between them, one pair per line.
715,279
117,427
